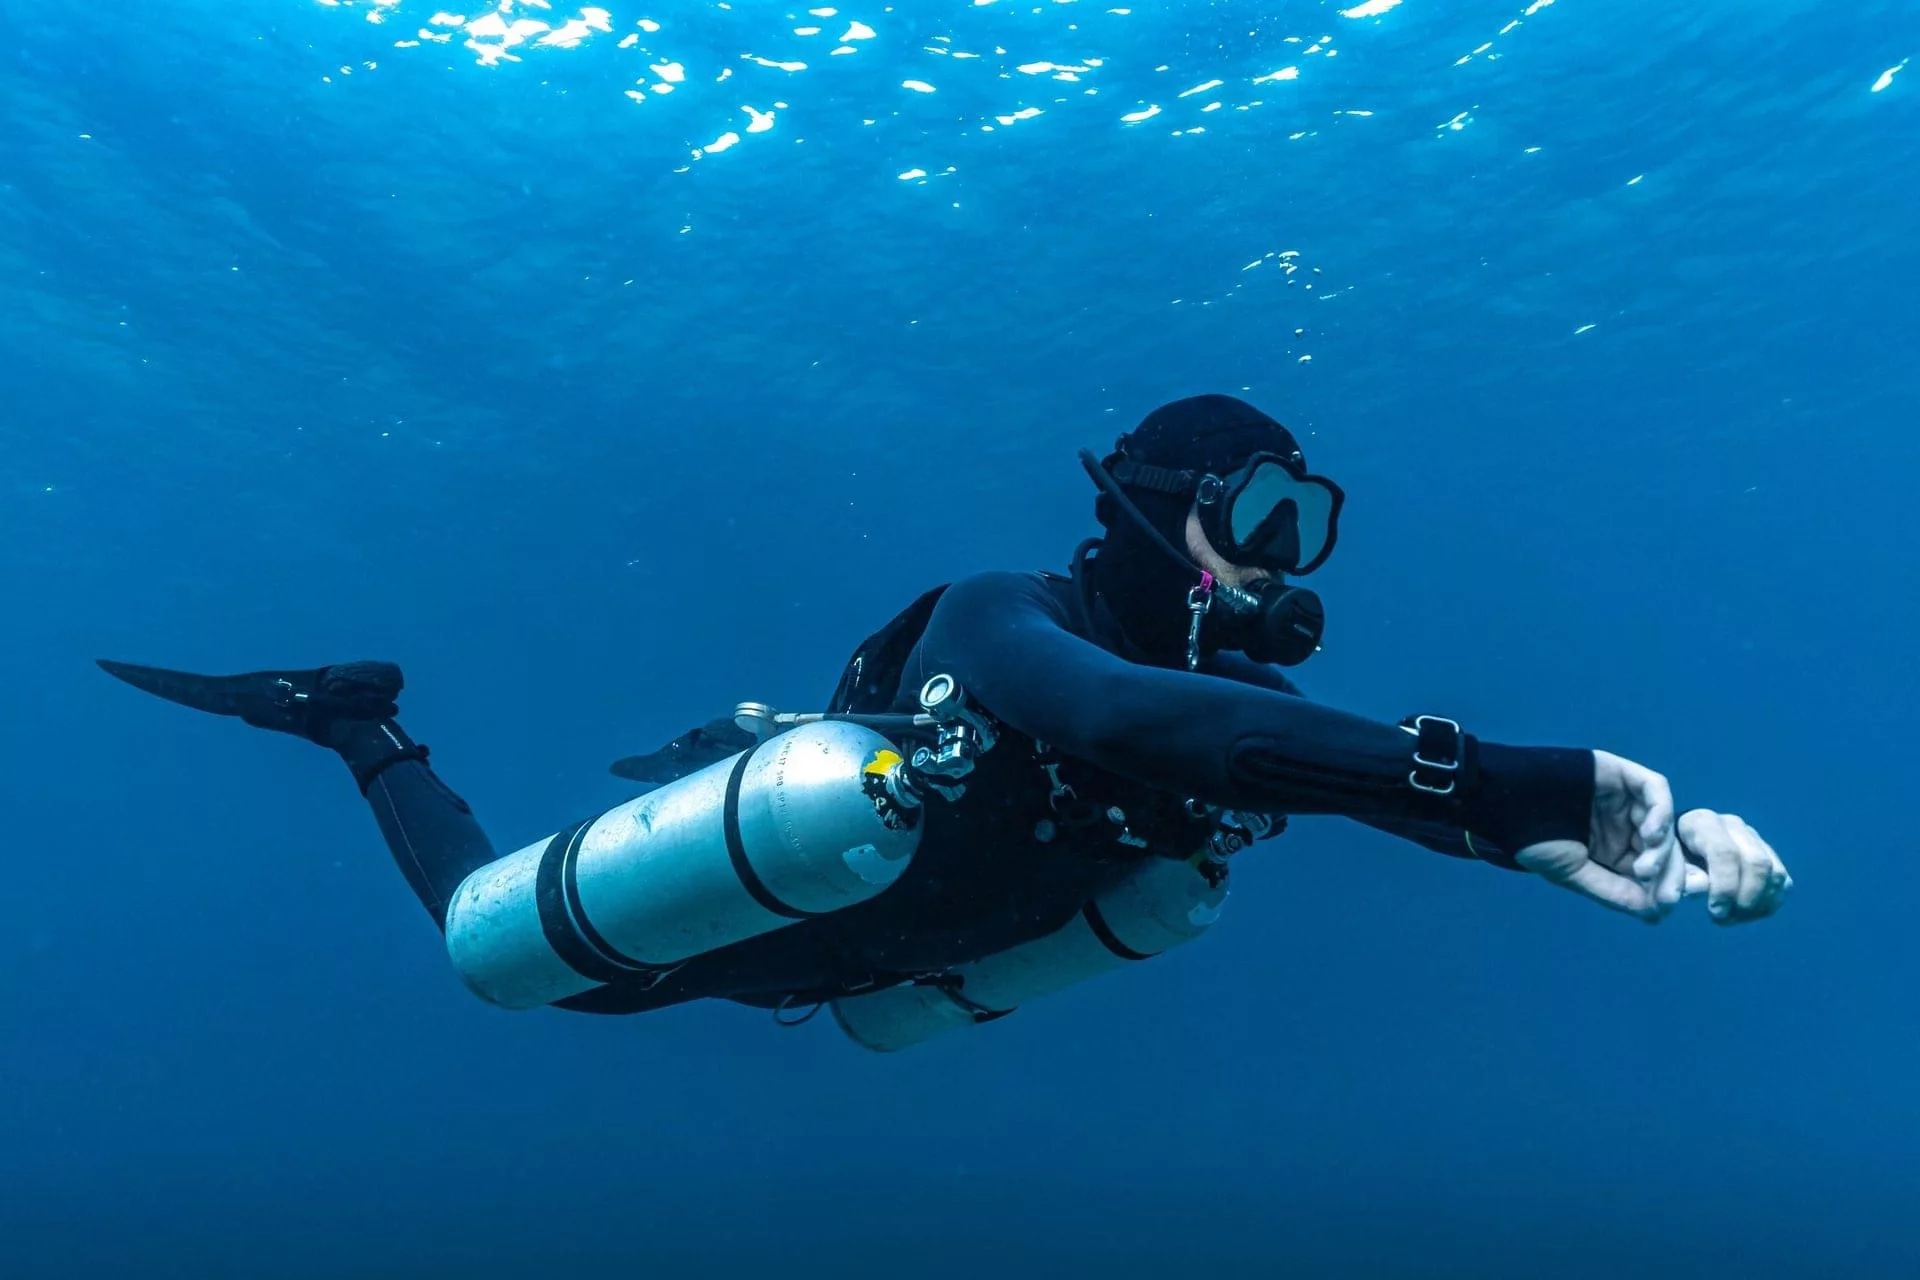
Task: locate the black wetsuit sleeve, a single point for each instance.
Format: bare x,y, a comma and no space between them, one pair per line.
1440,837
1450,839
1007,639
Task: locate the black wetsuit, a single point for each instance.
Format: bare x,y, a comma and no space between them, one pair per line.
1098,755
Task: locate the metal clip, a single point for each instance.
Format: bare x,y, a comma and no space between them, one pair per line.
1199,600
1061,792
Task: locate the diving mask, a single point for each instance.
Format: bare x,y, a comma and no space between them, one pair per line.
1268,513
1273,622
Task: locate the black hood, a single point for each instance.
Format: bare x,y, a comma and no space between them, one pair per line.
1141,585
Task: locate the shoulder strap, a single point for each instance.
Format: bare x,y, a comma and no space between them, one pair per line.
872,675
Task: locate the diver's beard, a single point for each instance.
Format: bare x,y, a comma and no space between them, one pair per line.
1152,603
1146,594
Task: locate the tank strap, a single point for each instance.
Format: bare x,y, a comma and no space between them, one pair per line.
951,986
1107,937
790,1001
564,922
947,983
737,850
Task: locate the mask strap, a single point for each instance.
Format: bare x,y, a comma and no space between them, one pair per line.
1180,484
1110,487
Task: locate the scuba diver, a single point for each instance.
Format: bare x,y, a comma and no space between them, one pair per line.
1023,780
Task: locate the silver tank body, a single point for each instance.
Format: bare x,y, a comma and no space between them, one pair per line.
779,833
1163,904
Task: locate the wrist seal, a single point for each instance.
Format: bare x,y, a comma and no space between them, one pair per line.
1527,795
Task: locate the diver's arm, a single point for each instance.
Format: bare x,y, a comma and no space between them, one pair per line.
1450,839
1005,638
1440,837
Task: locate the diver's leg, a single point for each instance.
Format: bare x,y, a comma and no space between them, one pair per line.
350,709
434,837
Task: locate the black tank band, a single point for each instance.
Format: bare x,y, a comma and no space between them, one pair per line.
1108,938
737,849
556,893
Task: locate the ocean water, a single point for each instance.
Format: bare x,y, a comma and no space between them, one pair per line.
608,366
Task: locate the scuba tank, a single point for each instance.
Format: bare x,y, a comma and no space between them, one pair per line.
1161,904
822,814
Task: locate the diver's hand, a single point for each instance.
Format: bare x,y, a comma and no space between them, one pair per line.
1633,860
1746,879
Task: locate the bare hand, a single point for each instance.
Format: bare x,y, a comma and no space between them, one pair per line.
1632,860
1746,879
1639,859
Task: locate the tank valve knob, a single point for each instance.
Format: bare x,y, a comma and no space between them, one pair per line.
948,704
756,718
939,768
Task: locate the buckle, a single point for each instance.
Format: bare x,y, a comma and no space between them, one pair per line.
1436,752
285,695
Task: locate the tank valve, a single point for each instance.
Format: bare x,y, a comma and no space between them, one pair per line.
965,733
1234,831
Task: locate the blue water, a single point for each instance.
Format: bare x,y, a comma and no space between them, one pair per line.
327,340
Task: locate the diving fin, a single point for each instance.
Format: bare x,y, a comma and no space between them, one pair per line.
303,703
690,752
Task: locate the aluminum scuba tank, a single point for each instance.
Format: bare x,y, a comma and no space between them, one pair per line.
795,827
1161,905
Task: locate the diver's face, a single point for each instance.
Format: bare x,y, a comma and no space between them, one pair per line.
1208,558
